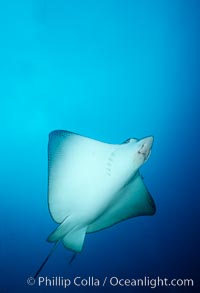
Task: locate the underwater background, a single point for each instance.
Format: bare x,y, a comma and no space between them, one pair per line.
108,70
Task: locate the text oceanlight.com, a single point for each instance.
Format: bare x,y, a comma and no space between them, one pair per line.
113,281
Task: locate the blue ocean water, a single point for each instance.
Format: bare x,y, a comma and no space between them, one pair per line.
109,70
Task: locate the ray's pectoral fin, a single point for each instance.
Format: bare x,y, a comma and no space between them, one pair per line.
132,201
71,233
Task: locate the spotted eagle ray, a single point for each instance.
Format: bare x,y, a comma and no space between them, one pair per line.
93,185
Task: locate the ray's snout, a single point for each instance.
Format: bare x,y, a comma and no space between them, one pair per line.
145,146
148,141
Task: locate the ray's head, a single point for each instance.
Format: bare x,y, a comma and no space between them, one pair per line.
138,152
143,150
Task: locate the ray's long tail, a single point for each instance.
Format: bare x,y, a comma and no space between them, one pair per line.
46,259
48,256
